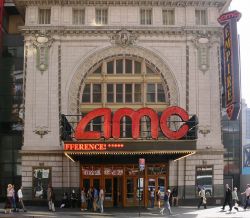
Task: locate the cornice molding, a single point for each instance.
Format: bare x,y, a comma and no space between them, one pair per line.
165,3
109,31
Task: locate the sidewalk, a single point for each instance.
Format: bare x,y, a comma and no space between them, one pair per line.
180,212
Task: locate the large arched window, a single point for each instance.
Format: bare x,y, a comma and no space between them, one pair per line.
124,81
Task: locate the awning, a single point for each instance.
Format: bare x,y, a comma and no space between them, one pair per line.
154,151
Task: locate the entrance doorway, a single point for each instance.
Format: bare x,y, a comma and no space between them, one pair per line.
117,192
125,186
91,183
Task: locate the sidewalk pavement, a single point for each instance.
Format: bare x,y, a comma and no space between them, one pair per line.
178,212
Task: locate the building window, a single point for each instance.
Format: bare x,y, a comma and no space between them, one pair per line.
86,93
110,67
151,93
110,93
44,16
128,66
137,67
119,93
97,93
119,66
137,93
125,80
168,17
146,16
101,16
92,93
155,93
125,93
201,17
128,93
160,93
204,178
78,16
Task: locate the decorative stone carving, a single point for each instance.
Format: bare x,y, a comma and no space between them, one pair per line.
165,3
203,43
204,130
41,130
42,44
104,30
123,38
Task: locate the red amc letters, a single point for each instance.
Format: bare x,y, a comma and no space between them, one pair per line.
135,116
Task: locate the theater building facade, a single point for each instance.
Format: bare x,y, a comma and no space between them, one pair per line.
109,83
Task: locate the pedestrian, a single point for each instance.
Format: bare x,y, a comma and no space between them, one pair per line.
83,199
65,201
152,197
89,199
9,197
166,203
95,200
20,199
51,198
73,198
14,200
101,199
235,198
175,197
228,198
247,193
158,197
202,195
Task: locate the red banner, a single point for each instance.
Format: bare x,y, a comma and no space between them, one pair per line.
231,63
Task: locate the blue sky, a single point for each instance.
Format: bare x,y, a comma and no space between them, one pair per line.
243,6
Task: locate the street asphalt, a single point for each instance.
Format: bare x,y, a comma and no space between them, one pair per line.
180,212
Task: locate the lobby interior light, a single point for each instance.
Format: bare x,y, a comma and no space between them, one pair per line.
184,156
69,157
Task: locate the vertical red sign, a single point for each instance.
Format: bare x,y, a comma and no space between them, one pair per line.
231,63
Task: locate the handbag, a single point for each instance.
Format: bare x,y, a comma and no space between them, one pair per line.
204,201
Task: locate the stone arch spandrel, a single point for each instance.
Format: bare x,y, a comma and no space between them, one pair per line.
81,73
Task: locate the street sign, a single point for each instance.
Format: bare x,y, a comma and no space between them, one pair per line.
141,164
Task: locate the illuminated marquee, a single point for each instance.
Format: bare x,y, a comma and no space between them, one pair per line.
81,134
231,63
91,146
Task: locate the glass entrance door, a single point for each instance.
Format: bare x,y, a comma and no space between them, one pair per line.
108,186
96,183
153,184
86,184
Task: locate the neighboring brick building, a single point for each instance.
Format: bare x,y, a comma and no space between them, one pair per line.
84,55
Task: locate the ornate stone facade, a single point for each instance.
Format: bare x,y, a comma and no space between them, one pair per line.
185,54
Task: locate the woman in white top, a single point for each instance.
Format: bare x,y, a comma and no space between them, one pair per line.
203,199
8,204
83,200
101,199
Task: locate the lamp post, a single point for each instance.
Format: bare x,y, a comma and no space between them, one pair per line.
141,168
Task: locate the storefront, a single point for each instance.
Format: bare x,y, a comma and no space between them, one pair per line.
113,164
